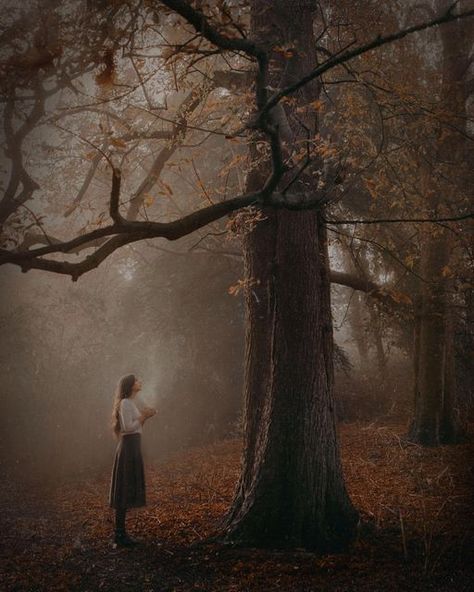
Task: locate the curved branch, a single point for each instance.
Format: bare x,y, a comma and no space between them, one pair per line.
348,55
200,22
126,232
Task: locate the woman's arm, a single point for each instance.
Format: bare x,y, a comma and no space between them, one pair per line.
131,418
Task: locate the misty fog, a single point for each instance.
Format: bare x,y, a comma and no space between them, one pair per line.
168,317
263,211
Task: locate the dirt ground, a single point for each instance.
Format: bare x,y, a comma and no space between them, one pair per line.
417,532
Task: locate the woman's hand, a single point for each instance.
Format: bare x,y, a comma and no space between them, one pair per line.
149,412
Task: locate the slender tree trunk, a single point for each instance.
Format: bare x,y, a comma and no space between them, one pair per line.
357,308
435,420
358,326
291,491
377,334
432,417
417,308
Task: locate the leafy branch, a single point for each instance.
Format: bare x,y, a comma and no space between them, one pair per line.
125,231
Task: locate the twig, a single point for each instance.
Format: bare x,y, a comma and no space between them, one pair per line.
402,529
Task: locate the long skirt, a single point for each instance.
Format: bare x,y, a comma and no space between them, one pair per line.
127,485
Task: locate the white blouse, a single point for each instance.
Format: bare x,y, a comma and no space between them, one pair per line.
129,417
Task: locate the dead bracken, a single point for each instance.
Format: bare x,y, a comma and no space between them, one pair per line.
416,532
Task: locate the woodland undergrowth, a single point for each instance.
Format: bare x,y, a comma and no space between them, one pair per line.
416,530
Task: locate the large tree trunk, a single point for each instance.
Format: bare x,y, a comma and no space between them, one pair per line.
435,420
291,491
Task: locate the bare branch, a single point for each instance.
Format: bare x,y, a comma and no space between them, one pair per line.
353,281
187,107
348,55
86,184
200,22
127,232
468,216
115,197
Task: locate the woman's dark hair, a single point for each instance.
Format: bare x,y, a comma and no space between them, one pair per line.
123,391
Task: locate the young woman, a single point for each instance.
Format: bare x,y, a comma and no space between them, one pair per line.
127,485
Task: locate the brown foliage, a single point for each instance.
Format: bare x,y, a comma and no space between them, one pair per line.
106,76
416,533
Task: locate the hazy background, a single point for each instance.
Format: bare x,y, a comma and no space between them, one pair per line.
169,319
163,310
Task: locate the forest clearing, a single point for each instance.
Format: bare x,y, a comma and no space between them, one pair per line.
245,228
417,530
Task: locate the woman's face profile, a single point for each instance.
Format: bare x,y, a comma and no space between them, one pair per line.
137,386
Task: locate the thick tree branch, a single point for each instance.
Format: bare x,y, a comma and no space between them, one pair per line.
115,197
352,281
200,22
127,232
124,232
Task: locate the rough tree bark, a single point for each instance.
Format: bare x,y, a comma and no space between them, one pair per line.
291,491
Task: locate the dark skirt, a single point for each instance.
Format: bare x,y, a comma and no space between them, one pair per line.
127,485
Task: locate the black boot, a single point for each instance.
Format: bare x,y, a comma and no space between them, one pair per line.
121,538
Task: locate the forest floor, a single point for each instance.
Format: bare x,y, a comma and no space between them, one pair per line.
417,501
